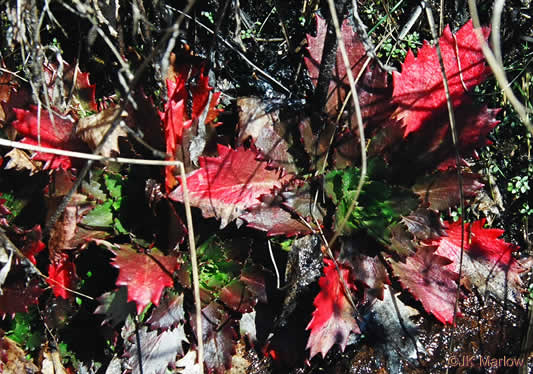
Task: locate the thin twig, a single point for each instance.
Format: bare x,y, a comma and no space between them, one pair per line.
241,55
497,69
496,29
274,264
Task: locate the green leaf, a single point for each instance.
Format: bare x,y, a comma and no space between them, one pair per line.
119,228
14,204
100,216
114,184
218,267
21,331
379,204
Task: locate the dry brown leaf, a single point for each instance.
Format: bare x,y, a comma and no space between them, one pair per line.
266,130
20,160
52,363
92,129
13,359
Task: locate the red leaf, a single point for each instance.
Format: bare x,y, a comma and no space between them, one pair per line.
57,135
62,273
145,275
32,243
17,298
225,186
419,90
333,318
488,262
441,191
218,337
373,85
272,218
173,123
426,276
169,313
83,92
371,273
174,115
175,118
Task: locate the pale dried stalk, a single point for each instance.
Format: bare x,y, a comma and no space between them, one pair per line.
497,68
358,116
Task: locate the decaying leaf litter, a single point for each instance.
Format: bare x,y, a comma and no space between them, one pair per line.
267,167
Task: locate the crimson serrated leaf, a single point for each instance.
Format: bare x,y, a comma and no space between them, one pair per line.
441,191
61,275
419,90
169,313
18,297
115,306
176,119
488,262
237,297
59,135
145,275
157,350
426,276
174,123
339,87
371,273
333,319
225,186
218,337
269,216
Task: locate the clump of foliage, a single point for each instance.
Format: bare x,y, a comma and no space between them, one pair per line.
357,235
